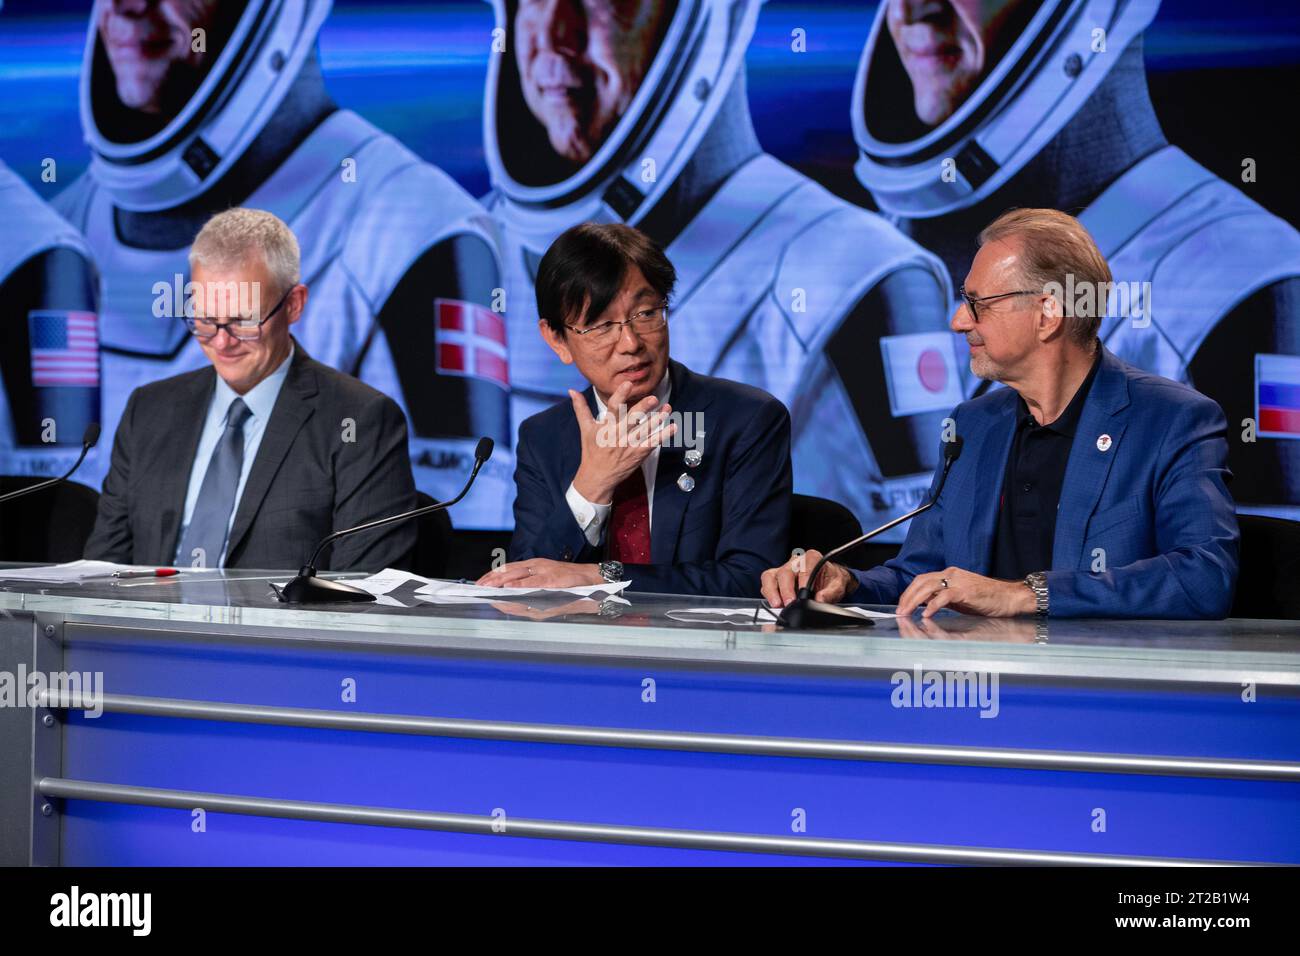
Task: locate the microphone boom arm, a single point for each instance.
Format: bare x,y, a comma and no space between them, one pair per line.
307,588
803,611
87,443
380,522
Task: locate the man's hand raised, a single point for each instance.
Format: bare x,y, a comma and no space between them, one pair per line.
614,448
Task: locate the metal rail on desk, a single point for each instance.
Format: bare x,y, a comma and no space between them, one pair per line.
1010,758
311,810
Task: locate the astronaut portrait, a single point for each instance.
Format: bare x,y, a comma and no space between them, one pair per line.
963,109
193,106
820,201
579,67
637,111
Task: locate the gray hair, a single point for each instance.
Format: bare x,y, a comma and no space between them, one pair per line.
231,238
1056,253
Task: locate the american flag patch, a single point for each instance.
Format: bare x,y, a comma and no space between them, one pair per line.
471,341
65,348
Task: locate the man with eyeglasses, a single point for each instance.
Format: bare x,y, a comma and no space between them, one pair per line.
676,482
1087,487
251,462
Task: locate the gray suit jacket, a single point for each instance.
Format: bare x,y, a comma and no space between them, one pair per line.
305,482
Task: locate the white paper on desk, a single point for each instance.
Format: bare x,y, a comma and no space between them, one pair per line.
452,592
432,591
74,572
746,615
389,579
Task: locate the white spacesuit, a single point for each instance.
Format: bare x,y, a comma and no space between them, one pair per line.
781,284
1205,277
391,280
48,354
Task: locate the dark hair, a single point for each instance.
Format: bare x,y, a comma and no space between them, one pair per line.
583,271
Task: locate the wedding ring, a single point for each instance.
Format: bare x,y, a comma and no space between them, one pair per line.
943,582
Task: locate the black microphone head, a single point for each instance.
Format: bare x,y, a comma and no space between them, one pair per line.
484,450
91,437
952,450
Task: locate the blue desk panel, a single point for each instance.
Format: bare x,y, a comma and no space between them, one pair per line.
791,741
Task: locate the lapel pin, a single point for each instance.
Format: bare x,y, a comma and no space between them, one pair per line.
1103,443
693,457
686,482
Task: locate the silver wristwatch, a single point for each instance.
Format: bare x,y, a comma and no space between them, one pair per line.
611,571
1036,581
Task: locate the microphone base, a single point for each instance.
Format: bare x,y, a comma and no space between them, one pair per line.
807,614
309,589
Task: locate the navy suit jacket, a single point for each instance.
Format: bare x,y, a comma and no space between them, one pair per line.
717,538
1145,527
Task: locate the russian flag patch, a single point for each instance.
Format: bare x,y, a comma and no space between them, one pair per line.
1277,396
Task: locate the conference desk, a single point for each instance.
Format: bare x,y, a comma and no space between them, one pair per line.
238,730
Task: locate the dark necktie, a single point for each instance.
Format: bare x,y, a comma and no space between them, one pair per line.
211,519
629,524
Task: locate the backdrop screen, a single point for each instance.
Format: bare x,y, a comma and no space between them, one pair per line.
818,172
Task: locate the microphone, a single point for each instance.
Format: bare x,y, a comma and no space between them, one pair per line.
804,612
88,441
307,588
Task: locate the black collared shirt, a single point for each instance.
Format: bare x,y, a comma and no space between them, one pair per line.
1031,488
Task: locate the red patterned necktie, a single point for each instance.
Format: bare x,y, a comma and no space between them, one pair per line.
629,524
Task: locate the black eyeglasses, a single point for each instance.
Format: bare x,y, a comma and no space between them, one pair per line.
246,330
973,304
643,323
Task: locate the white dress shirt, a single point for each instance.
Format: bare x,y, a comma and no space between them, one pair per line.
260,401
590,516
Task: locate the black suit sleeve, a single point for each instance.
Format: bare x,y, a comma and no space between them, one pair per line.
372,479
112,538
904,302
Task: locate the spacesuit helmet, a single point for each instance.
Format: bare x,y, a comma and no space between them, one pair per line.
593,107
954,97
173,93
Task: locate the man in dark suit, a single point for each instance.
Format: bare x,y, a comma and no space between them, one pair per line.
1088,488
691,497
252,461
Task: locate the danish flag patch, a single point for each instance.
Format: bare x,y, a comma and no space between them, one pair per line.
471,341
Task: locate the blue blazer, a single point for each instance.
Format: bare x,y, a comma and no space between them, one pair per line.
1145,528
717,538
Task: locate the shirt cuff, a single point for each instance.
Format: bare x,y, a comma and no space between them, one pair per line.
591,517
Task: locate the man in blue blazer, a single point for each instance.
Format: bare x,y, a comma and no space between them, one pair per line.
691,497
1087,487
